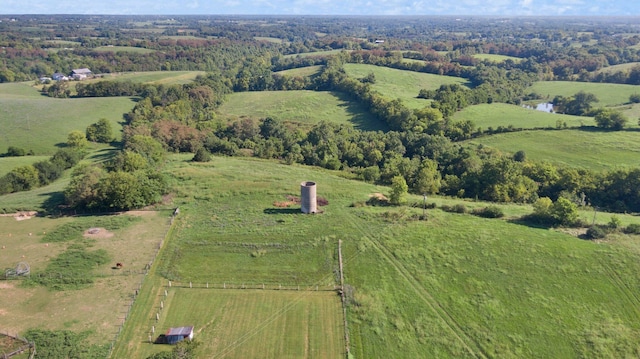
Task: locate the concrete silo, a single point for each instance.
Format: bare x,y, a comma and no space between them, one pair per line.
308,201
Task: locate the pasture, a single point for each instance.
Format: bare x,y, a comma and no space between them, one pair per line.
307,71
155,77
41,124
626,67
254,323
505,115
98,308
607,94
496,58
9,163
317,53
402,84
132,49
449,287
586,148
304,107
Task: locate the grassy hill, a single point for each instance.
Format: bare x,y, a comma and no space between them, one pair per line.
406,85
618,68
453,286
501,114
578,148
307,107
39,123
607,94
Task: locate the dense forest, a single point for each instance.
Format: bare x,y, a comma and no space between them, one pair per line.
423,146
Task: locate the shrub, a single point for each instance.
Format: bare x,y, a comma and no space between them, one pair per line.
633,228
489,212
457,208
13,151
596,232
202,155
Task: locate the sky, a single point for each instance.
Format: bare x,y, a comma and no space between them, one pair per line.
327,7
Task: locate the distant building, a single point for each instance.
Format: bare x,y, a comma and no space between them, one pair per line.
59,77
80,74
379,41
178,334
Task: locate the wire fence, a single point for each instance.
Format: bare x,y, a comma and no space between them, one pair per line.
26,346
144,273
262,286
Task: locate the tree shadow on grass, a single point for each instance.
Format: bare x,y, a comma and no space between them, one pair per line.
282,211
361,118
53,202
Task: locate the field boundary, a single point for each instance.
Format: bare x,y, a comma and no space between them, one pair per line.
146,272
264,286
343,300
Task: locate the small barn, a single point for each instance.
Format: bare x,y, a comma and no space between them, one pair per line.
80,74
179,334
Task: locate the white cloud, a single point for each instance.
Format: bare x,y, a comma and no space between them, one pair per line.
328,7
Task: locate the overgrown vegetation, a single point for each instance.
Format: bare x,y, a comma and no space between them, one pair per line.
54,344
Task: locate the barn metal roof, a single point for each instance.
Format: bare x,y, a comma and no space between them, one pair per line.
184,331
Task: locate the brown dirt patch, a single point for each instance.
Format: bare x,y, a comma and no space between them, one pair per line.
379,196
97,233
21,216
6,285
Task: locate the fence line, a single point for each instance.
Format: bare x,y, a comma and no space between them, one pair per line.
144,272
344,301
30,346
263,286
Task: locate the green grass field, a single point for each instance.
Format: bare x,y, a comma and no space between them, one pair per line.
308,71
317,53
306,107
618,68
454,286
577,148
41,124
496,58
132,49
405,85
9,163
607,94
501,114
308,324
38,123
155,77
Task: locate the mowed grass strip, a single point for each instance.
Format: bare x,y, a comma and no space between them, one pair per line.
607,94
505,115
306,107
254,323
593,150
402,84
